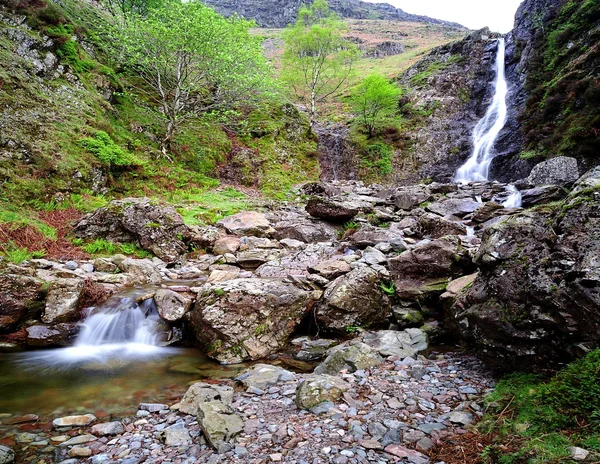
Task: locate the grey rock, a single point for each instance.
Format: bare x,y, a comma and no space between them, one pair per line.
108,428
7,455
201,392
171,306
316,389
62,302
263,376
409,342
176,435
561,170
219,423
249,223
350,356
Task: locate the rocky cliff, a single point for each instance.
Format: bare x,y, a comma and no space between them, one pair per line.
280,13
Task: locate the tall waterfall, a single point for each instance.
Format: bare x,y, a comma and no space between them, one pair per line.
477,167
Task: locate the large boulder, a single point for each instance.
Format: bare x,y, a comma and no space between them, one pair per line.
305,230
317,389
534,304
350,356
428,267
55,335
407,343
171,306
407,198
561,170
62,304
154,227
201,392
219,423
331,210
263,376
368,236
247,223
21,297
458,207
297,263
354,299
248,319
434,226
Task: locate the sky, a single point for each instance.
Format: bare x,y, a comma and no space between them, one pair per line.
497,14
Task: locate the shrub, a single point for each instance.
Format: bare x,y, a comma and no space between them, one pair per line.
108,152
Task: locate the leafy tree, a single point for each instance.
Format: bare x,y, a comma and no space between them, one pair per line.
192,60
128,9
317,60
374,100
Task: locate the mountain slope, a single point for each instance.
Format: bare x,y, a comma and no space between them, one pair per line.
280,13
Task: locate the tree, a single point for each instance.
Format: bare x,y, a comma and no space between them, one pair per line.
374,100
192,60
317,60
126,10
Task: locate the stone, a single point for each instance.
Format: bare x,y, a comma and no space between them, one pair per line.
21,297
590,180
201,392
330,210
414,457
354,299
248,319
171,306
542,195
349,356
80,452
74,421
263,376
458,207
227,244
7,455
105,265
373,256
407,198
154,227
55,335
407,343
370,445
71,265
330,269
218,422
461,417
107,428
217,276
176,435
153,407
297,263
142,271
249,223
577,454
313,350
434,226
251,259
370,236
78,440
316,389
63,300
561,170
305,231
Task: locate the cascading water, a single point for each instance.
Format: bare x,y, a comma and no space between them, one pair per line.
121,330
514,197
477,167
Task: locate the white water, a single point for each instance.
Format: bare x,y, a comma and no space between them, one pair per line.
477,167
118,332
514,199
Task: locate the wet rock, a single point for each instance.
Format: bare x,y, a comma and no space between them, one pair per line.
263,376
74,421
249,223
561,170
176,435
63,300
317,389
219,423
153,227
171,306
458,207
355,299
350,356
305,230
153,407
21,297
7,456
107,428
201,392
55,335
407,343
247,319
330,210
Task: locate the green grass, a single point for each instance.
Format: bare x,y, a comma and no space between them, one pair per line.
16,255
546,416
201,207
101,247
18,218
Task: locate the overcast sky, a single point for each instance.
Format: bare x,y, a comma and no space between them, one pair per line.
475,14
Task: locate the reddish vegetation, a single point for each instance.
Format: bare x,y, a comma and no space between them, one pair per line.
468,448
93,294
28,237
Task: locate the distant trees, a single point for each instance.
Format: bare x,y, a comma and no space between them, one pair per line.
374,100
317,60
128,9
192,60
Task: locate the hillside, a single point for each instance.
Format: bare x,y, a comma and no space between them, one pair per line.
280,13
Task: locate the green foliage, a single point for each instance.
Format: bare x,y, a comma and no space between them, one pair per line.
18,218
528,155
352,329
108,152
547,416
379,157
317,59
375,100
101,247
13,254
434,68
207,207
389,289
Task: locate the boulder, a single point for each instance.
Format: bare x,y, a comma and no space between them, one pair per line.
541,195
458,207
351,356
407,198
201,392
297,263
589,181
204,237
108,428
251,259
227,244
428,267
487,211
248,319
171,306
62,303
21,297
222,276
407,343
305,230
434,226
247,223
534,304
176,435
317,389
354,299
263,376
561,170
219,423
330,269
368,236
331,210
55,335
154,227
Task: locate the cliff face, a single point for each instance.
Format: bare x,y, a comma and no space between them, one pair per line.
552,67
280,13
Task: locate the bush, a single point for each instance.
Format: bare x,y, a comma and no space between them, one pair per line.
108,152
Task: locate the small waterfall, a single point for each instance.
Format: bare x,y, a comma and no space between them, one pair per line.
514,199
477,167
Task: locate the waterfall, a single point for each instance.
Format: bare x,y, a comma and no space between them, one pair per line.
119,331
476,168
514,199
